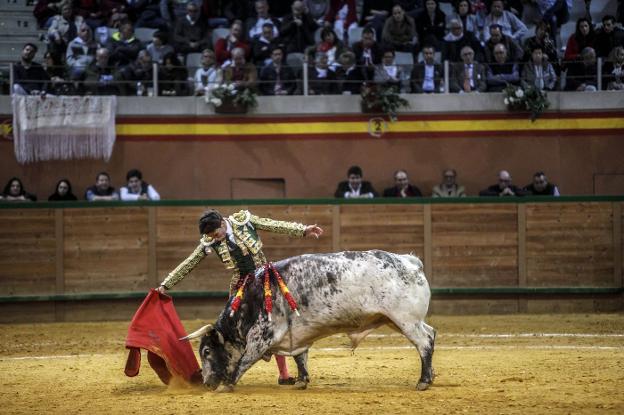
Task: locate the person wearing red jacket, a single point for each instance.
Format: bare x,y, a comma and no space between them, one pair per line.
225,45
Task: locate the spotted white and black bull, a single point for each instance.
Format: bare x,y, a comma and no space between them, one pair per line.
346,292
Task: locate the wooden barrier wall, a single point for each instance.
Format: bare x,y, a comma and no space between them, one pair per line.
125,248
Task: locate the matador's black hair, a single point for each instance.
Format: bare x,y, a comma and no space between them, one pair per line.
210,220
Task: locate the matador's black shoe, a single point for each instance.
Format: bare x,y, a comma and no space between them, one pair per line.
289,381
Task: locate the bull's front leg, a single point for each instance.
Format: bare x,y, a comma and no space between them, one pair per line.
259,340
303,377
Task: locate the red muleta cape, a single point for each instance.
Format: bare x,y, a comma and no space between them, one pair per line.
156,327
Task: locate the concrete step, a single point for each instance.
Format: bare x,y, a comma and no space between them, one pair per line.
22,25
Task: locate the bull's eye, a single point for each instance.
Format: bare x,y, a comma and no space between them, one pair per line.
206,352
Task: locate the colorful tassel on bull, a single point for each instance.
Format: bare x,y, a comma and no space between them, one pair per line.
239,295
268,301
285,291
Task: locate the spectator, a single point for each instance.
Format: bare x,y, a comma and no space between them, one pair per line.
349,76
541,186
57,74
582,38
456,39
29,76
608,37
255,25
277,79
159,47
399,31
263,45
504,187
468,20
101,77
613,70
509,23
14,191
331,45
102,190
402,187
539,73
542,40
62,192
427,76
148,14
220,13
297,30
514,51
502,71
44,11
391,74
172,11
317,9
63,28
209,76
241,73
114,12
342,15
449,186
137,189
368,53
125,47
431,24
552,12
173,77
90,12
374,15
322,80
355,187
469,75
190,34
582,75
138,76
80,53
224,46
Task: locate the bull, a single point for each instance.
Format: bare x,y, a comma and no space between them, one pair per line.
346,292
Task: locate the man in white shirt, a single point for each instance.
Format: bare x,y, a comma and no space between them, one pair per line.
511,25
137,189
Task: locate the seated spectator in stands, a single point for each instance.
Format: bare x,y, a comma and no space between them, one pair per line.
469,75
255,24
502,71
241,73
297,30
29,76
368,53
582,75
613,71
427,76
514,51
341,16
468,20
355,187
80,53
224,46
44,11
538,72
541,186
137,189
276,78
159,47
504,187
349,76
317,9
148,14
90,12
322,80
114,12
101,76
388,73
102,190
510,25
431,24
583,37
57,73
173,77
63,192
608,37
553,13
399,31
542,40
263,45
219,13
190,34
402,187
209,76
449,186
124,46
456,39
14,191
331,45
63,28
375,14
138,76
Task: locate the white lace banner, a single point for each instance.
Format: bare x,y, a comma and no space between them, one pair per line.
63,127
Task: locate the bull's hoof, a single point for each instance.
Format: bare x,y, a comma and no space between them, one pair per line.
423,386
289,381
301,385
225,389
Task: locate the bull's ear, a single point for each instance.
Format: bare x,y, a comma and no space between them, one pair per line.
198,333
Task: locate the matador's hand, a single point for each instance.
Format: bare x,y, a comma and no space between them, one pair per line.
313,230
161,289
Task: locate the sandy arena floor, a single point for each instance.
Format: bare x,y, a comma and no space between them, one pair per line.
555,364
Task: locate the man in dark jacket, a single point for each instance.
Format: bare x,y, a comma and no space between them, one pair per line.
504,187
541,186
297,31
368,53
427,75
355,187
275,78
402,187
29,76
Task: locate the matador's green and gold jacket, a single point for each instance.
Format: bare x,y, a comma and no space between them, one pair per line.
244,227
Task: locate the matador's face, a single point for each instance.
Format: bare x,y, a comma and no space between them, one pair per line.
219,233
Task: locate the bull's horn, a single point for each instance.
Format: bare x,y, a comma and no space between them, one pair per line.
198,333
